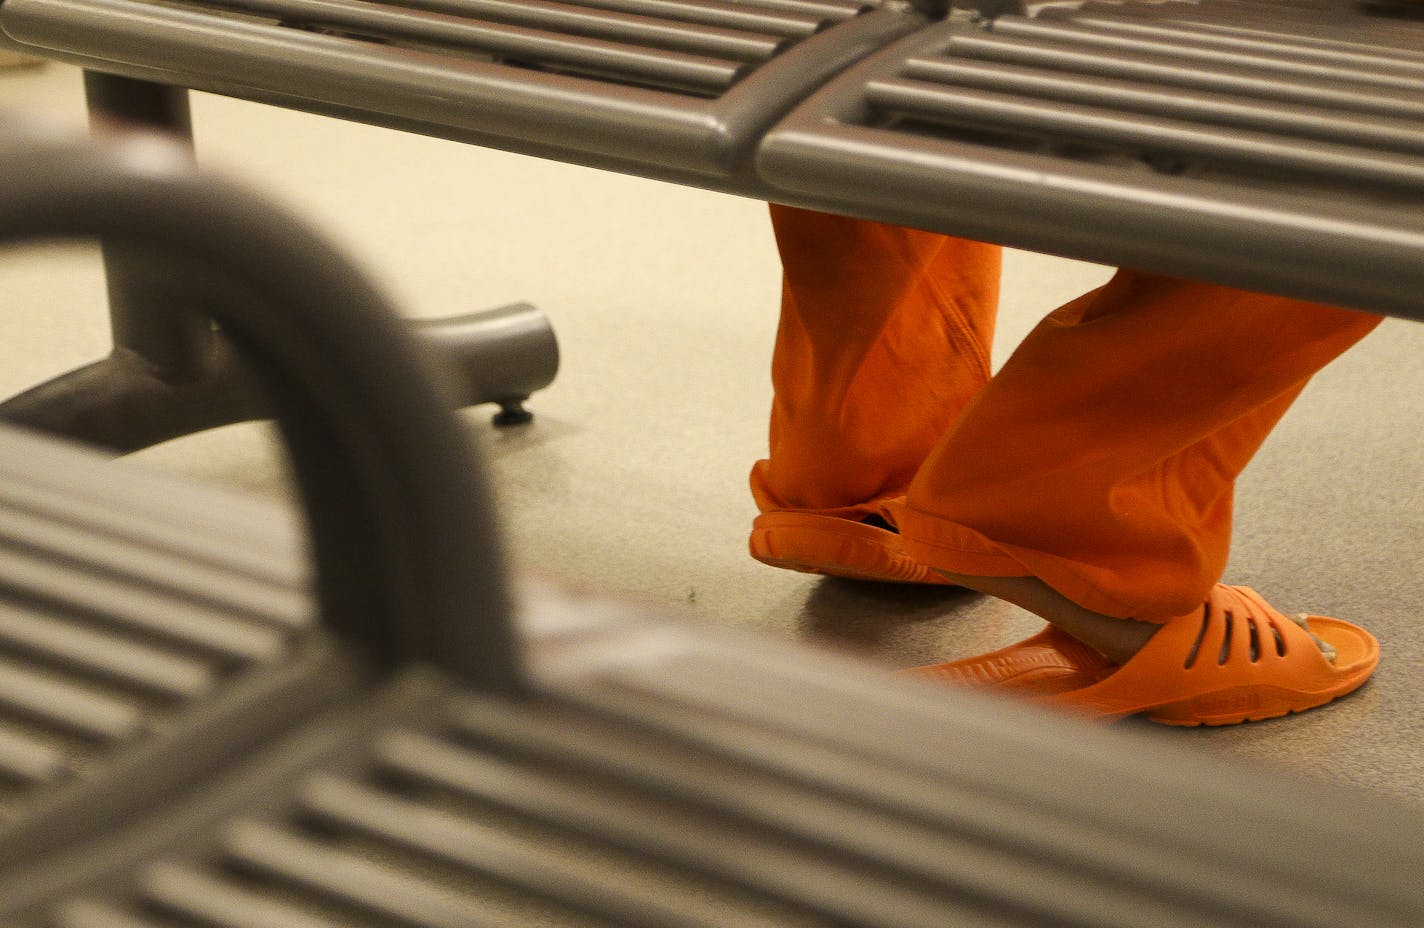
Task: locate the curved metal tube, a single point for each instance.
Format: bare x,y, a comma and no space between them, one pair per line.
409,565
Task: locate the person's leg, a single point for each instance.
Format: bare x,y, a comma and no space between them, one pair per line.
1091,481
884,337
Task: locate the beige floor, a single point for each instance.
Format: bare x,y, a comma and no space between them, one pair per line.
632,479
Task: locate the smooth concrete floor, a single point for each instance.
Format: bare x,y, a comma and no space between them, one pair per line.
632,479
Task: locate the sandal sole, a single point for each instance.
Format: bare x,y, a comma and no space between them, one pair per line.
835,547
1357,655
1050,662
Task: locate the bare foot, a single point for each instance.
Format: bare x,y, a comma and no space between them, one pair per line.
1116,639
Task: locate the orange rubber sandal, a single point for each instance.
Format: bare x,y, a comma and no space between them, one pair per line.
835,547
1048,663
1237,660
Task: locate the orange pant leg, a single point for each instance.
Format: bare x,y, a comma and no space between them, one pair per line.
884,338
1102,457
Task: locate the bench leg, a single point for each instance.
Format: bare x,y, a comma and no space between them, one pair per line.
499,356
170,374
141,314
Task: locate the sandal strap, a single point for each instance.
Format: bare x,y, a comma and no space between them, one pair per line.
1235,642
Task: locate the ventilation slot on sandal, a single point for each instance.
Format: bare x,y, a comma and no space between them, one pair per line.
1201,634
1229,623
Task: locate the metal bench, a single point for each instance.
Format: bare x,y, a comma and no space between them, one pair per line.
1269,145
192,734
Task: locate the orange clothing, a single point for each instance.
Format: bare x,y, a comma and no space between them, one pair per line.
883,340
1101,459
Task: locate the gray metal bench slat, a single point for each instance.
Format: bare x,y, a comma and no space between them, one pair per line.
829,739
96,651
1136,66
1172,138
67,704
1291,244
1231,110
1280,41
1303,25
124,618
88,914
28,759
1259,171
221,901
550,49
1270,60
521,861
829,10
956,840
573,19
432,89
295,857
37,475
723,15
119,555
707,846
135,606
593,114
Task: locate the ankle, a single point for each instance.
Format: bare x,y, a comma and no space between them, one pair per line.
1117,639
